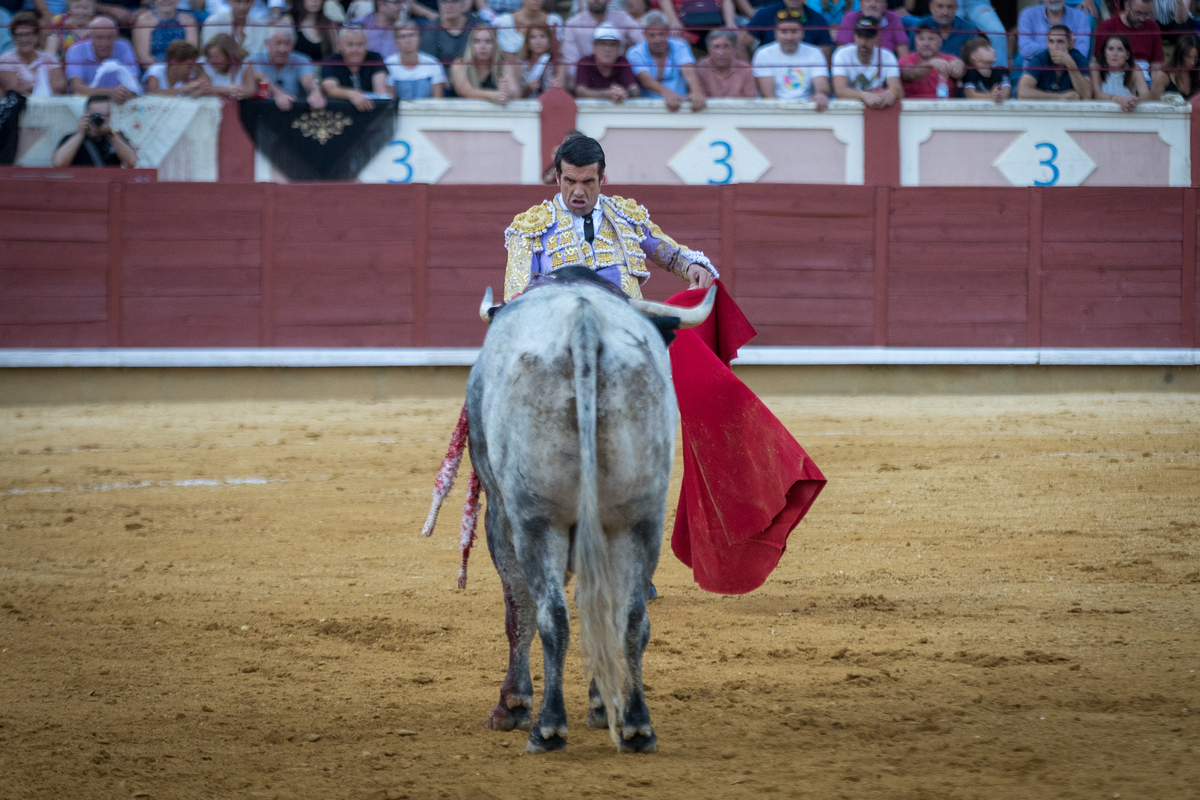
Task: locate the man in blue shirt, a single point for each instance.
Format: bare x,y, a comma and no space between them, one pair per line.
664,66
955,30
761,29
1059,72
1035,21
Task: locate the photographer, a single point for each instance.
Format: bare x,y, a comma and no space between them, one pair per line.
95,144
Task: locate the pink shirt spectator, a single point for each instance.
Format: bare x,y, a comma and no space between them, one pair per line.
891,30
576,34
11,62
739,82
924,89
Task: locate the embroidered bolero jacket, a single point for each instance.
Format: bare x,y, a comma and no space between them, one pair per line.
543,239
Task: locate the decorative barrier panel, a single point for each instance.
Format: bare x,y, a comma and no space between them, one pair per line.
1043,143
731,141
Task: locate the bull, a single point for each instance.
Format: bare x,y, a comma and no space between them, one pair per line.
572,419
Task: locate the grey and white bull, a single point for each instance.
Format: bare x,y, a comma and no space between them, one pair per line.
572,421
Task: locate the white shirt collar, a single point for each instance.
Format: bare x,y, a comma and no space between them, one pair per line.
577,222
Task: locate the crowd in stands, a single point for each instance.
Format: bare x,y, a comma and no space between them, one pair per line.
674,51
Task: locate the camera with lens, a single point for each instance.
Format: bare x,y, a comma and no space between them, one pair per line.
96,120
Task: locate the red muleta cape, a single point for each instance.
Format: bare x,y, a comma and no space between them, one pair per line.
746,481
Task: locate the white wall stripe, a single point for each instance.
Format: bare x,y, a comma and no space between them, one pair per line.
465,356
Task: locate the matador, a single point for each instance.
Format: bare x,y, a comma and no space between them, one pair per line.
611,235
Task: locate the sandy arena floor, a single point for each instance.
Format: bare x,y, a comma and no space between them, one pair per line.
994,598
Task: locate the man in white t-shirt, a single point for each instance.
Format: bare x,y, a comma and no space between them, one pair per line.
414,75
789,69
862,71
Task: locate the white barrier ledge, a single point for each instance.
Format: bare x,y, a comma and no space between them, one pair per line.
465,357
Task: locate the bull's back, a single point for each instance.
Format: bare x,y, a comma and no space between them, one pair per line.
521,396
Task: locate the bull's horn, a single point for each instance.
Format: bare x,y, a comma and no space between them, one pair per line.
486,306
688,317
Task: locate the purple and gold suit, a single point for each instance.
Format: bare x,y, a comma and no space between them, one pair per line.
544,239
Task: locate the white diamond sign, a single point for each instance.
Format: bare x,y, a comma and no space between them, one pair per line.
719,154
409,158
1044,158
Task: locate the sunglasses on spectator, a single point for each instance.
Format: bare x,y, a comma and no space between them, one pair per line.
790,13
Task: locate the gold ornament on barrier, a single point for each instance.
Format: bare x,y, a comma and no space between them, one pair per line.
322,125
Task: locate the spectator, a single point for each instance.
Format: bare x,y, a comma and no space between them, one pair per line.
541,68
722,75
225,65
927,72
983,80
605,74
761,29
380,25
67,29
485,72
892,35
288,72
1172,15
1059,72
25,69
835,10
578,30
1145,37
1035,22
6,42
864,71
1115,78
180,75
157,27
94,144
248,26
980,14
45,9
414,75
789,69
695,18
511,29
123,11
103,64
955,31
315,33
448,40
1181,75
355,71
664,66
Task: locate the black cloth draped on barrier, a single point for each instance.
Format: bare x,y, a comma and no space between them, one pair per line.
11,106
330,144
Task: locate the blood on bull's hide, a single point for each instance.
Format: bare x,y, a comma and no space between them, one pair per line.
572,418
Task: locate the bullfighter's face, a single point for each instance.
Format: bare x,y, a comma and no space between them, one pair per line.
580,187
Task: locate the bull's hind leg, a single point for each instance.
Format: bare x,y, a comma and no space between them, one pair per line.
520,619
543,554
637,735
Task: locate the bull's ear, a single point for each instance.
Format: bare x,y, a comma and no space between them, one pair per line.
667,327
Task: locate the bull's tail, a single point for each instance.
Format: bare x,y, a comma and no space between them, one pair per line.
603,586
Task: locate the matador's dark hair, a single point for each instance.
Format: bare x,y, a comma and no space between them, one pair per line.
579,151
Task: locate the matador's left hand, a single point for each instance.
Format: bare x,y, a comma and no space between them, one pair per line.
698,277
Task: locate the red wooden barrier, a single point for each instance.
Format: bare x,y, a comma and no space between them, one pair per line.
88,264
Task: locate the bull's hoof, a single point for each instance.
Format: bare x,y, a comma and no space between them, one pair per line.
507,719
539,744
638,743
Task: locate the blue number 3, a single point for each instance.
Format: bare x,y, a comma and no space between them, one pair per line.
402,160
724,162
1049,162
